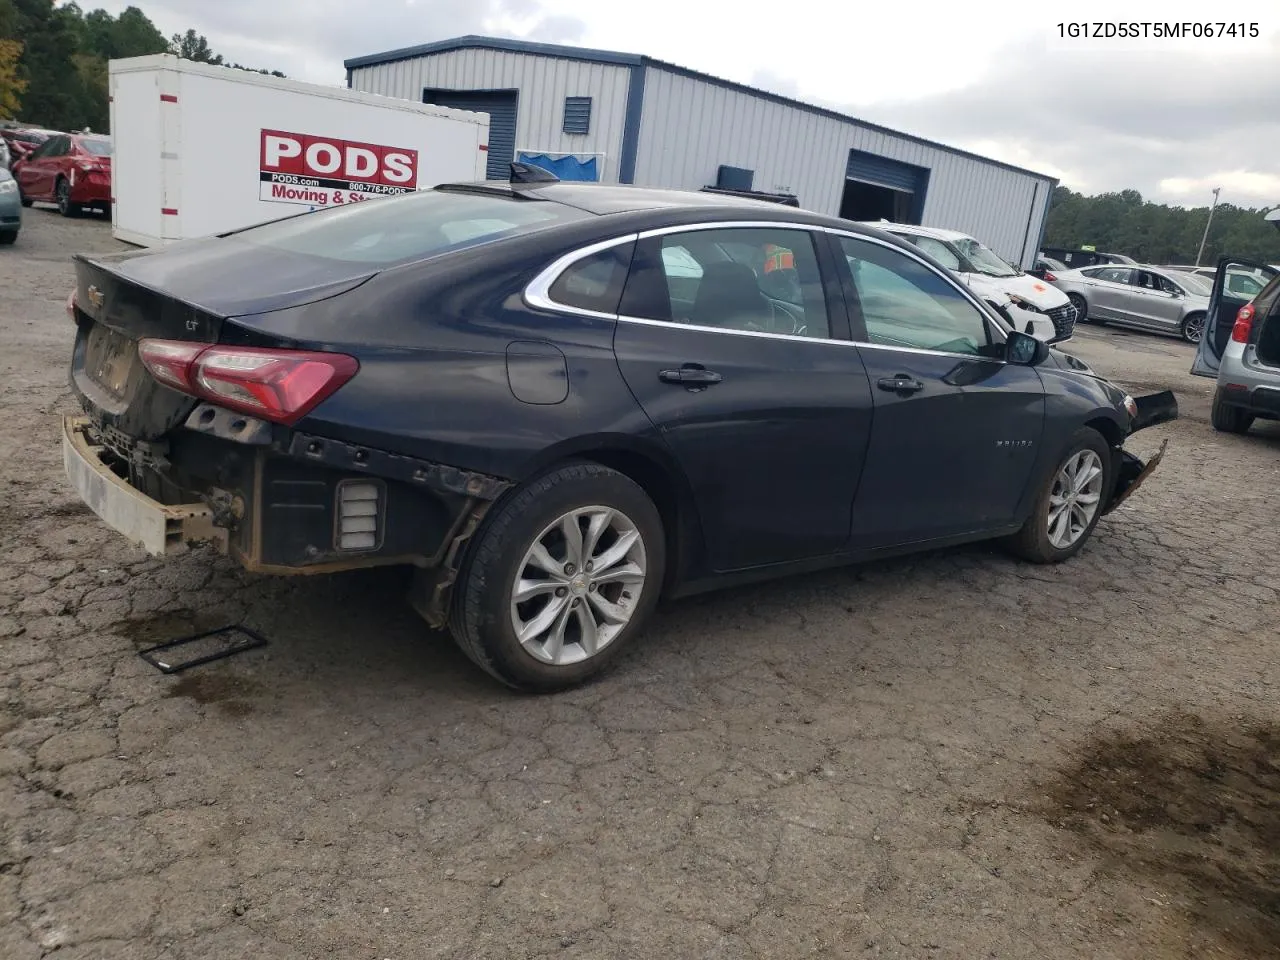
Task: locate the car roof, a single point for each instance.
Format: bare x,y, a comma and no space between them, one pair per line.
618,199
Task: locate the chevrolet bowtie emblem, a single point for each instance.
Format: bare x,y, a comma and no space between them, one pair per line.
95,297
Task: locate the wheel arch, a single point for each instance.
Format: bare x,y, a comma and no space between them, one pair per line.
656,471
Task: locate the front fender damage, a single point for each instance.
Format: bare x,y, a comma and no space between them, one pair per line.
1131,473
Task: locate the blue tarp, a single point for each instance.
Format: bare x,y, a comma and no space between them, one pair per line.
566,167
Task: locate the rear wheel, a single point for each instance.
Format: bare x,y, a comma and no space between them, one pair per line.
560,578
1192,328
1070,501
62,196
1228,418
24,199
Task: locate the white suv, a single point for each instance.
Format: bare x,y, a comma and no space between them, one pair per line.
1031,305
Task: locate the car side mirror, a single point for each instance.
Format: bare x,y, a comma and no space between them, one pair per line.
1024,349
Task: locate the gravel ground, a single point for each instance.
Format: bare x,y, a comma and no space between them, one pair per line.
950,756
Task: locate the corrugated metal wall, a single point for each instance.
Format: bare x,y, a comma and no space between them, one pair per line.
543,83
690,127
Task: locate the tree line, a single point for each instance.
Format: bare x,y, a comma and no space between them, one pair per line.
53,59
1157,233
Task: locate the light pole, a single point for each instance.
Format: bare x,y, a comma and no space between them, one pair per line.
1206,225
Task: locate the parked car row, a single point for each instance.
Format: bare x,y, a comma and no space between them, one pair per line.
1150,298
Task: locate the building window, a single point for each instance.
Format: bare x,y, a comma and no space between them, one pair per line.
577,114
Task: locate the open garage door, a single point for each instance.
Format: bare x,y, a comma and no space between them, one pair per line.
500,105
877,187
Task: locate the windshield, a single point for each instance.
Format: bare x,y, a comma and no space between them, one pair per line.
984,261
409,227
99,148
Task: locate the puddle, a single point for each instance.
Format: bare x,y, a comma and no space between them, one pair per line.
1192,807
232,695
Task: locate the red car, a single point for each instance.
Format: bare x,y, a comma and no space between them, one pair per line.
72,170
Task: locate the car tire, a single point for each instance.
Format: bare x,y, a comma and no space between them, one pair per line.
24,199
1227,417
556,656
62,197
8,237
1082,308
1192,327
1043,538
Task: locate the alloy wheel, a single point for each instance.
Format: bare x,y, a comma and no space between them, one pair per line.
64,197
578,585
1075,498
1193,328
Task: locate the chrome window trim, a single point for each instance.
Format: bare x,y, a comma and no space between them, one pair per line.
731,331
537,293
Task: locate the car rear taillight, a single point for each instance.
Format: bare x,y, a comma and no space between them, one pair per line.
1244,324
1049,277
282,386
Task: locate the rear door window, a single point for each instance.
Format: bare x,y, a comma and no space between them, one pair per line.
758,279
1114,275
391,230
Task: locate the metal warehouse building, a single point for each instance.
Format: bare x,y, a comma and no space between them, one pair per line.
622,118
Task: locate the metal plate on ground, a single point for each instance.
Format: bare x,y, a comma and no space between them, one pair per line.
174,656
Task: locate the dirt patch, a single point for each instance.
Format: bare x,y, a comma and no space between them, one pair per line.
165,626
1193,806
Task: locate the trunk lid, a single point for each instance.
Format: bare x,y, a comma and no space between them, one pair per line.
183,292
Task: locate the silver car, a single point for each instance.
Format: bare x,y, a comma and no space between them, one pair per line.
1241,348
1164,301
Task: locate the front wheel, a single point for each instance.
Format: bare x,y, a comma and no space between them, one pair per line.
560,579
1082,308
1192,329
1070,501
8,237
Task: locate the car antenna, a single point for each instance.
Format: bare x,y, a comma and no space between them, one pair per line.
528,173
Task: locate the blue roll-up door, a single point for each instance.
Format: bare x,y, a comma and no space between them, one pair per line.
883,172
500,105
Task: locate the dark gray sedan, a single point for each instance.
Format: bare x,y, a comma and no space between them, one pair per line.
1160,300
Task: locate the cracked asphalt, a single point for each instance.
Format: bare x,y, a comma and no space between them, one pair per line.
947,756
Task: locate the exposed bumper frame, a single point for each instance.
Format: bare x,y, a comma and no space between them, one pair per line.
160,529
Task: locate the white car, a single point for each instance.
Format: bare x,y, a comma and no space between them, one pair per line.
1031,305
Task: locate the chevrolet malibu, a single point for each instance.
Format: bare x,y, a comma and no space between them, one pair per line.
562,402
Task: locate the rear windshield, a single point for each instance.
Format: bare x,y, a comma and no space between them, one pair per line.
99,148
390,230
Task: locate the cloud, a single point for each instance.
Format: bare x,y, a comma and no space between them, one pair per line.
1168,128
309,39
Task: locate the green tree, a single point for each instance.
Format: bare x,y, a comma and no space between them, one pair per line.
11,83
1158,233
193,46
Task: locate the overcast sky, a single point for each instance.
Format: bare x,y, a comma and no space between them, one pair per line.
1172,119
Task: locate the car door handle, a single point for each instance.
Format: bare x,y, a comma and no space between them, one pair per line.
900,384
690,376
